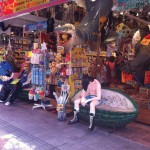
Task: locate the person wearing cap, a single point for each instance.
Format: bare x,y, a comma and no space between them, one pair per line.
17,84
91,94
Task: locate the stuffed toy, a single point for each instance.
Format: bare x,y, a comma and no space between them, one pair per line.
39,93
60,49
53,67
58,57
31,94
123,30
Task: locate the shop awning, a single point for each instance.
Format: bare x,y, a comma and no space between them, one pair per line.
10,9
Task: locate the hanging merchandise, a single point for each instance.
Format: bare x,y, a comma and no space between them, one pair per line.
60,49
64,38
38,75
2,53
36,56
78,57
53,68
33,75
67,59
9,53
68,70
56,65
123,30
79,63
41,76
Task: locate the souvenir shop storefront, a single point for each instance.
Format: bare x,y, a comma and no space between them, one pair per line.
58,40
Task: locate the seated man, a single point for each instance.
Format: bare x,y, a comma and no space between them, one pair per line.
16,85
91,93
7,79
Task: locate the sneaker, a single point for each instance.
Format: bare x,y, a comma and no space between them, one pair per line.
7,103
1,101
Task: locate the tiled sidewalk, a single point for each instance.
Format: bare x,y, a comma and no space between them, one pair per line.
22,128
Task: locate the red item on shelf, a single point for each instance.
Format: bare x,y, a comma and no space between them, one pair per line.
147,36
147,77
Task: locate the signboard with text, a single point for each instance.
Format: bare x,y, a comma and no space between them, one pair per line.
14,8
36,26
130,4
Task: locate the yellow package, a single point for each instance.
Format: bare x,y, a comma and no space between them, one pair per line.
15,81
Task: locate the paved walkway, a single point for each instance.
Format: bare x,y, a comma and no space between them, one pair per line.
22,128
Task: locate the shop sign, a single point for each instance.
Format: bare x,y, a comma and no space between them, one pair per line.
14,8
36,26
1,9
129,4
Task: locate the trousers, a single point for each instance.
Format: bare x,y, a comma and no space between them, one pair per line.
10,91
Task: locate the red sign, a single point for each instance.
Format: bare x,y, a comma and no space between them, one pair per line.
1,9
14,8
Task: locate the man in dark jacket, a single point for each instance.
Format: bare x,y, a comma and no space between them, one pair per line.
6,87
16,85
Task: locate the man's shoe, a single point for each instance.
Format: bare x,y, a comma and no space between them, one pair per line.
7,103
1,101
